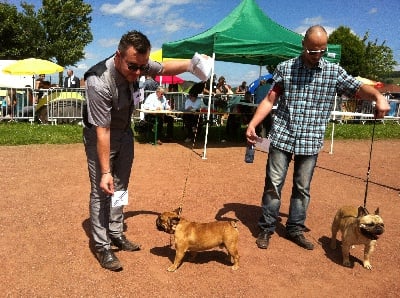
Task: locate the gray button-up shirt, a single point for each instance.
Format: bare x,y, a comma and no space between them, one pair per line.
110,97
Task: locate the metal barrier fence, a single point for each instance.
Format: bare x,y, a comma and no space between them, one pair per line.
54,105
353,110
64,105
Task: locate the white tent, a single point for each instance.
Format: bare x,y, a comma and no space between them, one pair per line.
13,81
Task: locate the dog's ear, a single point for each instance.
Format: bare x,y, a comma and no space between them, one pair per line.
377,211
178,210
362,211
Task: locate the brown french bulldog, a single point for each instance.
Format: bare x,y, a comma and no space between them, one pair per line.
357,227
194,237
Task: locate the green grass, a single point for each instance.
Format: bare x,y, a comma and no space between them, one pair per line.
17,133
352,131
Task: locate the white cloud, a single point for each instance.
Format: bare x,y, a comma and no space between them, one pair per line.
107,43
165,15
120,24
373,10
308,22
82,66
313,21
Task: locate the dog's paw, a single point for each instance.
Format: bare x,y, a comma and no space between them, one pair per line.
347,263
367,265
171,268
235,267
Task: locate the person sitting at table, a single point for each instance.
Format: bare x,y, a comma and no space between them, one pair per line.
193,103
242,89
157,102
223,87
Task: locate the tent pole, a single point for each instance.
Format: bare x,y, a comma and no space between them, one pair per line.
209,107
33,99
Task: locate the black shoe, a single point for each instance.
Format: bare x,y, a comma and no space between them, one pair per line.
124,244
108,260
263,239
300,240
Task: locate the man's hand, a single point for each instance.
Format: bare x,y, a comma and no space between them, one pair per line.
251,135
382,107
107,183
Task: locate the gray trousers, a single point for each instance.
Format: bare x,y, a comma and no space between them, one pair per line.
105,220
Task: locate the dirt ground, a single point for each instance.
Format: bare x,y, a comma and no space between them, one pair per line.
44,225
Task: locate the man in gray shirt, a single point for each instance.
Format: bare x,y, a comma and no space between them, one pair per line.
112,89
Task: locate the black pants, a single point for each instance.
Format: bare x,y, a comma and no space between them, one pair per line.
191,123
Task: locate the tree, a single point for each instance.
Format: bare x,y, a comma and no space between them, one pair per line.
20,32
58,31
67,24
379,61
33,30
352,49
361,57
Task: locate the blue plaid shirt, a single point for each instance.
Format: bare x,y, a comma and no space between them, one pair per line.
305,104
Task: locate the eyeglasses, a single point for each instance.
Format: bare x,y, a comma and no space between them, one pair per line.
135,67
316,52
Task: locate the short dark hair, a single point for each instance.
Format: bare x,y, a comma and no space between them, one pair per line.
134,39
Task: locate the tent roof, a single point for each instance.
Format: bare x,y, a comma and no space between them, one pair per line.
246,36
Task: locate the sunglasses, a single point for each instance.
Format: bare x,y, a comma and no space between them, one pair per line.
135,67
316,52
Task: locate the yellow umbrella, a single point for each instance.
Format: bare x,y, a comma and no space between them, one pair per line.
158,56
32,66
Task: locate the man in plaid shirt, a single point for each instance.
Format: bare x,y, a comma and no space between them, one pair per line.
305,88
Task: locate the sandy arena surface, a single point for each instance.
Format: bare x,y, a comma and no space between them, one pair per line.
44,224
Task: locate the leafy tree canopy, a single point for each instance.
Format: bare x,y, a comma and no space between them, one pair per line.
361,57
58,31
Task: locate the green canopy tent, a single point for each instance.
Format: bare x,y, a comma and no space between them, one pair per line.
245,36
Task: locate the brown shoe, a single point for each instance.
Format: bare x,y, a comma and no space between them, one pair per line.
108,260
300,240
124,244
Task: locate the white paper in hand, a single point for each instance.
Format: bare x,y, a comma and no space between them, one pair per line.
201,67
263,144
136,97
119,198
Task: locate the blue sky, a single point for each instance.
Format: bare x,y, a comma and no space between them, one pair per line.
169,20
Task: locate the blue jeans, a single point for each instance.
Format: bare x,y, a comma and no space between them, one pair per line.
276,170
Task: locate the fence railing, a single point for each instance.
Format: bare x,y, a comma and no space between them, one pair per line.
64,105
54,105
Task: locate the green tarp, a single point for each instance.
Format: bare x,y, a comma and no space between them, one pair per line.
245,36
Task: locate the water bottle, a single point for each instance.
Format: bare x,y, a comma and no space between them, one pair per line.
249,156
